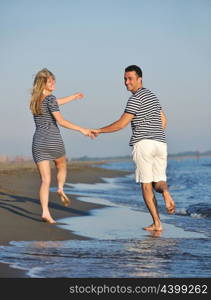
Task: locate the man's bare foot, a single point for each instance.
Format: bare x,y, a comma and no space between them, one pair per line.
170,205
153,227
65,200
48,219
156,233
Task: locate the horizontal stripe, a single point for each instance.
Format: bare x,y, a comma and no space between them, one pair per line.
47,142
146,124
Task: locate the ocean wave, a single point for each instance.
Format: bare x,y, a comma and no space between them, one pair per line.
199,210
206,165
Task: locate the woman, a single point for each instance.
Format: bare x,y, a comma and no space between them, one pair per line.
47,142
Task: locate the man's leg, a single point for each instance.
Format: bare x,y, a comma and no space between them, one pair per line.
159,176
161,187
143,155
151,203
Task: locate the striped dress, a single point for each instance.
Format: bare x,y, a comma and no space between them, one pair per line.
146,124
47,141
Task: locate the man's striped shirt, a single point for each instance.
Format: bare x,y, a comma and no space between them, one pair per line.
146,124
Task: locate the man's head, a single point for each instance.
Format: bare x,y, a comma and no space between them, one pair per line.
133,78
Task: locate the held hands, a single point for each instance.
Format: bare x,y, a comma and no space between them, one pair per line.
87,132
95,132
92,133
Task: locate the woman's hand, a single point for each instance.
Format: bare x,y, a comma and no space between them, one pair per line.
78,96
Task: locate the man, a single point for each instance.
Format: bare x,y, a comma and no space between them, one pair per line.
148,122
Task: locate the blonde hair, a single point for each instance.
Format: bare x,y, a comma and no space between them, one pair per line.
39,84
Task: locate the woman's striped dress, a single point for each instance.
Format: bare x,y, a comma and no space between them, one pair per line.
47,141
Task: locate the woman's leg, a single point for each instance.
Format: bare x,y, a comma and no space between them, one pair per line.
45,175
61,166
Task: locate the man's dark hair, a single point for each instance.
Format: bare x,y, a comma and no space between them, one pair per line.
134,68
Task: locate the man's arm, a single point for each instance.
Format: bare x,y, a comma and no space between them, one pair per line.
163,119
124,120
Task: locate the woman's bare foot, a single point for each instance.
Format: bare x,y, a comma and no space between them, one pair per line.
170,205
48,219
153,227
65,200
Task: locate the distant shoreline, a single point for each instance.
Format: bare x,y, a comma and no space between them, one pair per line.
187,156
13,164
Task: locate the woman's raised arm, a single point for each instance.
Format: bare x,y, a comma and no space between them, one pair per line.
67,99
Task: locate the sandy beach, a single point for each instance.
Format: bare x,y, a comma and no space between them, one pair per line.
20,208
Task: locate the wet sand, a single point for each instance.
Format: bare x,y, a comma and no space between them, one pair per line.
20,207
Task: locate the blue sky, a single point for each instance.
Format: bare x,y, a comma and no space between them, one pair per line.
87,44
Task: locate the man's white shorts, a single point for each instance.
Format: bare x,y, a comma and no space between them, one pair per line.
150,158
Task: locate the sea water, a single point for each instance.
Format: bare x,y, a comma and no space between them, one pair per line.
117,246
